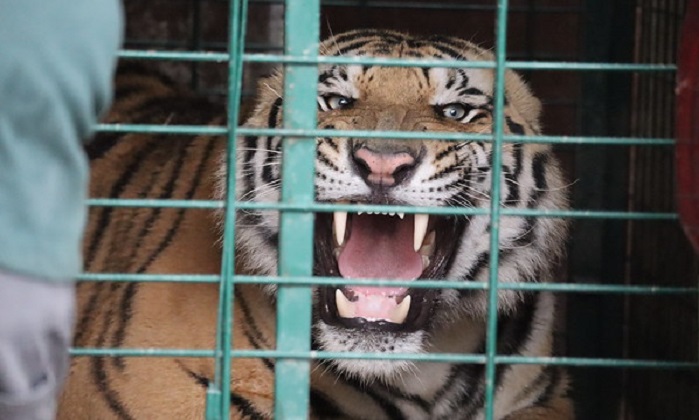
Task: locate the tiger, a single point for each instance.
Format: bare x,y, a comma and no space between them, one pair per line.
389,320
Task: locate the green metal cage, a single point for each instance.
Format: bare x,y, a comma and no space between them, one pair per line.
597,142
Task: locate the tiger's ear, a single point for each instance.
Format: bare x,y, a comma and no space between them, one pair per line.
523,100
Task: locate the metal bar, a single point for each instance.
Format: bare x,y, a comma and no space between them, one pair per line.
431,357
224,336
417,284
325,208
407,135
520,65
154,202
219,57
193,130
292,376
430,5
141,352
496,174
202,56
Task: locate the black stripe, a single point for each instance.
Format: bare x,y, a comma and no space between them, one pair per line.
251,331
477,267
512,176
527,237
101,378
543,378
447,170
514,127
351,36
181,212
273,113
471,91
464,79
345,50
271,123
87,314
473,396
426,73
425,405
461,199
515,328
444,153
131,288
268,163
464,378
271,237
323,407
447,50
101,145
245,407
539,163
97,237
325,76
116,190
125,306
326,161
554,377
330,142
250,143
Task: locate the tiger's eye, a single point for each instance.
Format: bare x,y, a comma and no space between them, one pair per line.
455,111
338,102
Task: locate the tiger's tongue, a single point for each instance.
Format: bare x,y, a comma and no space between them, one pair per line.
380,247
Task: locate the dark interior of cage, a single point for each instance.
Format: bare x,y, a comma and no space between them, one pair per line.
637,178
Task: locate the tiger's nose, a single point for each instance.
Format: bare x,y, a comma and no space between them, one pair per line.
383,169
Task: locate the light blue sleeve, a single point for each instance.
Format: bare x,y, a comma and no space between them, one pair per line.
57,60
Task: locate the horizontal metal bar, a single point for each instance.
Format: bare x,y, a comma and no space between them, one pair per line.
408,135
199,56
576,66
220,57
429,357
194,130
434,5
146,202
326,208
419,283
143,352
255,47
149,278
521,65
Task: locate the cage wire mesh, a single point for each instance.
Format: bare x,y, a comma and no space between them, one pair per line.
620,326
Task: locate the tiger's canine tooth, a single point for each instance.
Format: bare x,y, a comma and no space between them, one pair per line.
344,307
340,224
421,221
400,313
401,215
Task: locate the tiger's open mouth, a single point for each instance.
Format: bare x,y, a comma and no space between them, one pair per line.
384,246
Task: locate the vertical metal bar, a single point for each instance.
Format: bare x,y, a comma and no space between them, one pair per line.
496,172
224,339
292,379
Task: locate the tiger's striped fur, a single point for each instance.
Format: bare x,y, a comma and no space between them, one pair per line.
144,240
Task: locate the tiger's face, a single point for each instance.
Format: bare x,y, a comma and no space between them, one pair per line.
403,172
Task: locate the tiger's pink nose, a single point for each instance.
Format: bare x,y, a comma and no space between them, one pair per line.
383,169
